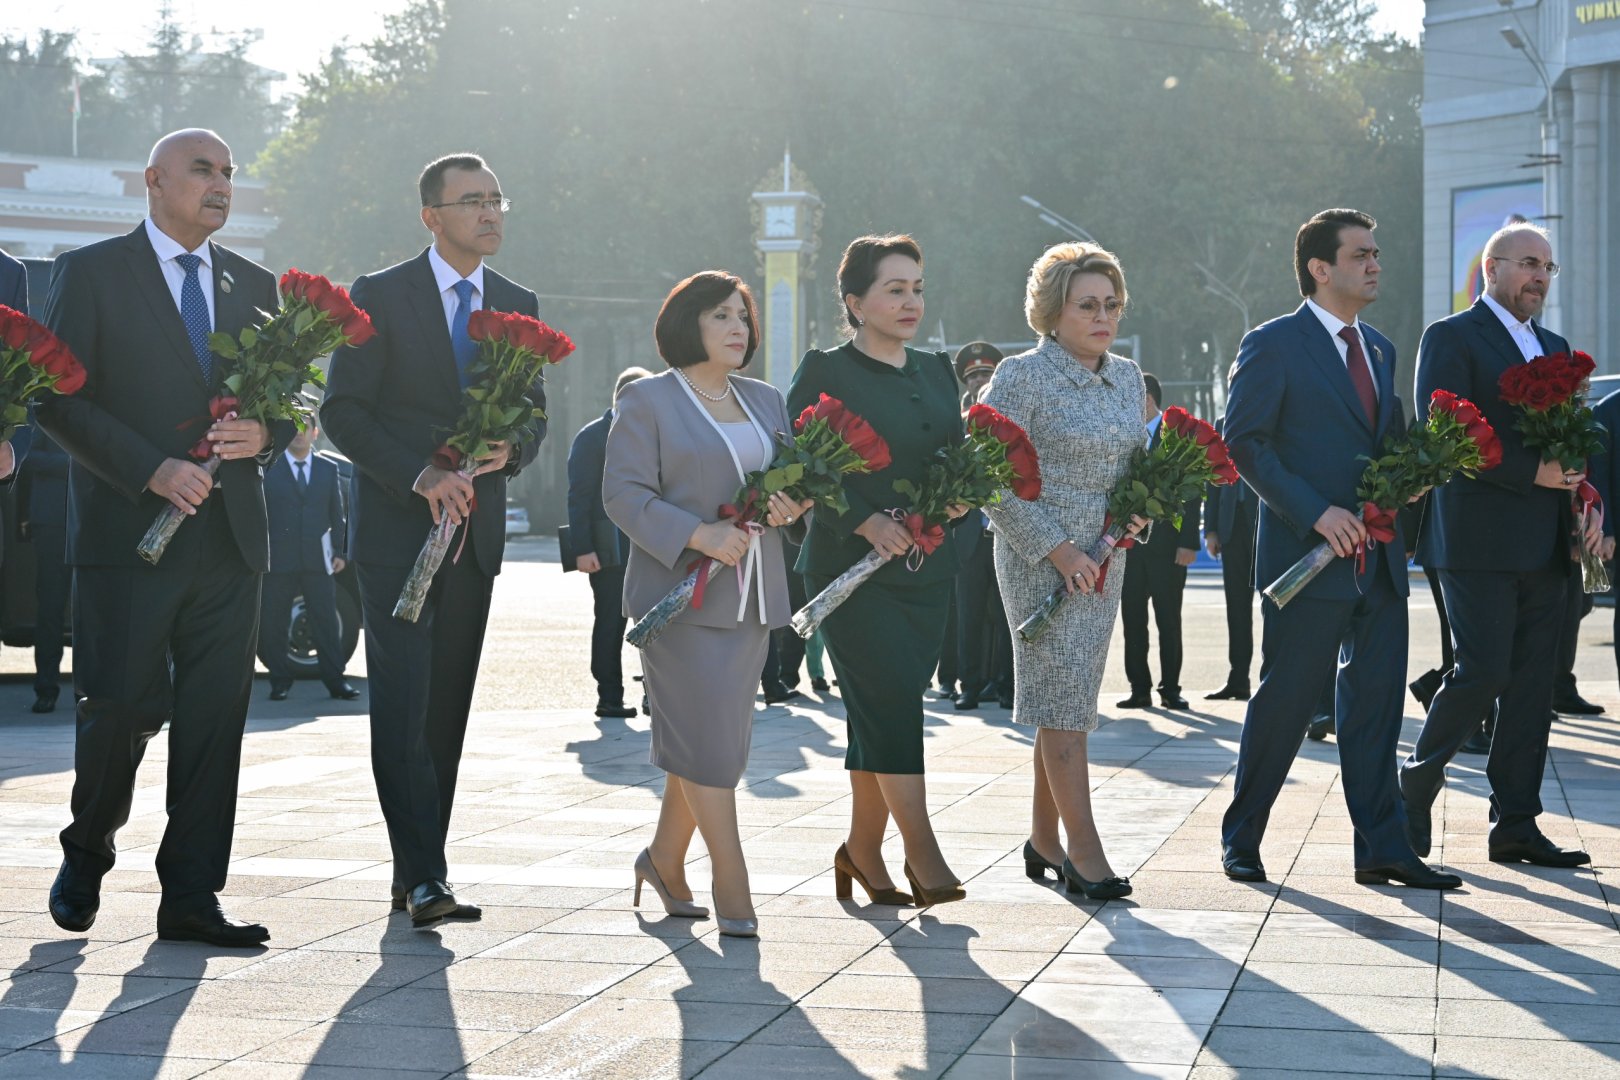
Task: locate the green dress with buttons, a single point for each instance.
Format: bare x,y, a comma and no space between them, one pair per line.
884,641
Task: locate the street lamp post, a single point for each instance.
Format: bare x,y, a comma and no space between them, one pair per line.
1057,220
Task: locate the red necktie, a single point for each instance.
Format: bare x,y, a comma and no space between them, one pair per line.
1360,375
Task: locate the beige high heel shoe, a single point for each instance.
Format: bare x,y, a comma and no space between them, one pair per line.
681,909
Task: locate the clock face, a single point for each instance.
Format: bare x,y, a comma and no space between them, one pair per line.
779,221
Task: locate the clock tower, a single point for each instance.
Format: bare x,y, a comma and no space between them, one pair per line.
787,218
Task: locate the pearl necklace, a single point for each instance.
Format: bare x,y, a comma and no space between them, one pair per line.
704,394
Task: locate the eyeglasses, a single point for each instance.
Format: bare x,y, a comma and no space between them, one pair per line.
1530,263
1089,307
494,206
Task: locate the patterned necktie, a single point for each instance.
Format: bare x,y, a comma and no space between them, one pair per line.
303,479
461,344
194,313
1360,374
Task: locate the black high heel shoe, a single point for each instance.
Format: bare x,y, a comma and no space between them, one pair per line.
1036,866
1107,889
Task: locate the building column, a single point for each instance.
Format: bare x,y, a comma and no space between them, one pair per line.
1583,213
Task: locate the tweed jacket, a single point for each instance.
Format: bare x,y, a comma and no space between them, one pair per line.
1085,427
667,472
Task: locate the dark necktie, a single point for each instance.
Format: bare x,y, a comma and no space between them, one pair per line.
461,344
303,478
1360,374
194,313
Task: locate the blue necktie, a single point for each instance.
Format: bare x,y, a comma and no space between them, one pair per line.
461,344
303,480
194,313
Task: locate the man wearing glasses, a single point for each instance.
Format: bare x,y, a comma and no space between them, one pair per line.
1502,546
388,405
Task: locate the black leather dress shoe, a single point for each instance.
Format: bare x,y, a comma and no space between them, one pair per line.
1414,875
1478,743
1426,685
1172,699
463,911
279,691
1005,699
1142,700
1321,727
343,691
1243,865
967,702
45,700
614,708
1575,705
820,686
775,695
1538,851
210,925
429,902
74,901
1229,692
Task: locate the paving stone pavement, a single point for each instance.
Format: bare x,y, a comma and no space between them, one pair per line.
1516,975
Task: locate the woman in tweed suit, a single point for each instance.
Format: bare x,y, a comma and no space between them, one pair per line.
1082,408
679,447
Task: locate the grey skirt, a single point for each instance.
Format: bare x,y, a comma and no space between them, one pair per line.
701,682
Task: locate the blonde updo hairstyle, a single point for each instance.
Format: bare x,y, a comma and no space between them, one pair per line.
1048,285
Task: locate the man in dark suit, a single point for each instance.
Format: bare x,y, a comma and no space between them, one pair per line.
1231,519
1159,576
302,492
1502,545
171,642
388,405
14,295
44,494
1312,393
586,520
983,641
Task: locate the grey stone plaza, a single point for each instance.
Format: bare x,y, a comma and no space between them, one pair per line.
1515,975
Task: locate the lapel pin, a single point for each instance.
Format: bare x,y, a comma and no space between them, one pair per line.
226,281
1378,355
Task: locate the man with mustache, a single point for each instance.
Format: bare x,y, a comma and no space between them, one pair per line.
172,642
388,406
1502,545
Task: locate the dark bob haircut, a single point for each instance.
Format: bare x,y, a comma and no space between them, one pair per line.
679,338
1318,238
430,185
857,270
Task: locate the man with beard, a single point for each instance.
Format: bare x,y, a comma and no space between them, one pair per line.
1502,545
172,642
388,405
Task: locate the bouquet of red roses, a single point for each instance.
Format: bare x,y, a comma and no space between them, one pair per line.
1551,393
266,369
33,362
829,442
996,455
1160,481
496,406
1456,438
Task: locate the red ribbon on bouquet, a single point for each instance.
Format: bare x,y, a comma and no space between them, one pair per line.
925,538
449,459
222,407
740,516
1586,501
1121,544
1380,525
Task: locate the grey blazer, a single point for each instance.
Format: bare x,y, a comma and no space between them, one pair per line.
667,472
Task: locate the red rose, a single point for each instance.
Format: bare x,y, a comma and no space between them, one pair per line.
486,325
1177,419
1540,396
1217,454
561,347
866,442
1583,364
13,327
1467,413
1228,473
357,328
1443,400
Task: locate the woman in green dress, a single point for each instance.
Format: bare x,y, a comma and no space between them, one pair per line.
884,641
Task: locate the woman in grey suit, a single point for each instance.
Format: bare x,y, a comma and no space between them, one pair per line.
680,445
1082,408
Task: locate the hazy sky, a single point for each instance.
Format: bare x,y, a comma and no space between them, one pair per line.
290,44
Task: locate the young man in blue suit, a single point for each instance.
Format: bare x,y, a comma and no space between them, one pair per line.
1502,544
1311,393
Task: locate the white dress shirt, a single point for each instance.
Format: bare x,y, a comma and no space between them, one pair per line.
1334,324
1522,333
446,277
293,461
167,249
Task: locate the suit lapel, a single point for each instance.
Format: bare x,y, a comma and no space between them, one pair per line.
428,304
149,282
1383,376
1492,330
1325,355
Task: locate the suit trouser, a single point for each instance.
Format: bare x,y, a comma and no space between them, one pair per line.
421,677
1504,631
790,647
981,623
1298,646
1237,582
1577,605
607,633
130,624
1155,578
53,582
320,612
